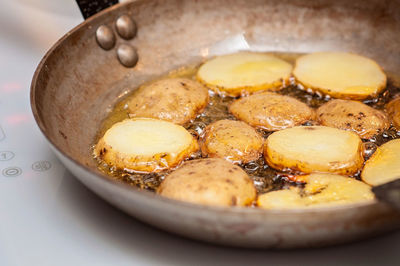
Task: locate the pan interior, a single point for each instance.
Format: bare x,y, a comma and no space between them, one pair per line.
77,83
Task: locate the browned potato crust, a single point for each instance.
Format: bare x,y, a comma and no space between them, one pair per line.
393,111
211,181
271,111
352,115
234,141
321,190
176,100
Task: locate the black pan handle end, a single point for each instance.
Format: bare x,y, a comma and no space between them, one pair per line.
90,7
389,193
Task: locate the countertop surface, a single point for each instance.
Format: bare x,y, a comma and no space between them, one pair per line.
48,218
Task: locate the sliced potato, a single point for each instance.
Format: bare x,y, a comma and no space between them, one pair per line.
271,111
321,190
393,110
340,75
353,115
211,181
145,145
311,149
176,100
384,164
243,73
234,141
281,199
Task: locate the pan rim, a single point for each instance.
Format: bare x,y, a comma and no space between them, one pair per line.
151,195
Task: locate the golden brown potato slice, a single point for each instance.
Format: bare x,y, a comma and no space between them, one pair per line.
211,181
353,115
393,110
271,111
243,73
311,149
340,75
321,190
384,165
177,100
145,145
234,141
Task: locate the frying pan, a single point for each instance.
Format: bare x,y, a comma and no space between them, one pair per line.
81,78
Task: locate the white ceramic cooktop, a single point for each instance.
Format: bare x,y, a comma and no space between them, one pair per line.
49,218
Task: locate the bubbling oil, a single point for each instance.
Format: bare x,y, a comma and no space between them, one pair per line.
264,177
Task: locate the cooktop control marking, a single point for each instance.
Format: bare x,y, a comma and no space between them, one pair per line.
6,155
2,135
41,166
12,171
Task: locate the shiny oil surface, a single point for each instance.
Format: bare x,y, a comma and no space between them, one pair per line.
264,177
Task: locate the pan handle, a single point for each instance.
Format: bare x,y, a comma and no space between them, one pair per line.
389,193
90,7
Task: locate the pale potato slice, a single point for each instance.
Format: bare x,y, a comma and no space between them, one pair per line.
145,145
311,149
340,75
211,181
271,111
353,115
176,100
243,73
234,141
321,190
393,111
281,199
384,164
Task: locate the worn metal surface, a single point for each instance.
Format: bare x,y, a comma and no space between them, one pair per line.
126,27
127,55
77,82
105,37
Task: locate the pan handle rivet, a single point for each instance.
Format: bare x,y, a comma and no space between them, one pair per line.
127,55
105,37
126,27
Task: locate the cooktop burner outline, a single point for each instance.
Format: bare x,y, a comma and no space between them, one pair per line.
6,155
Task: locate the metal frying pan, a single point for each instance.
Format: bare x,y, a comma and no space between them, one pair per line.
78,81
